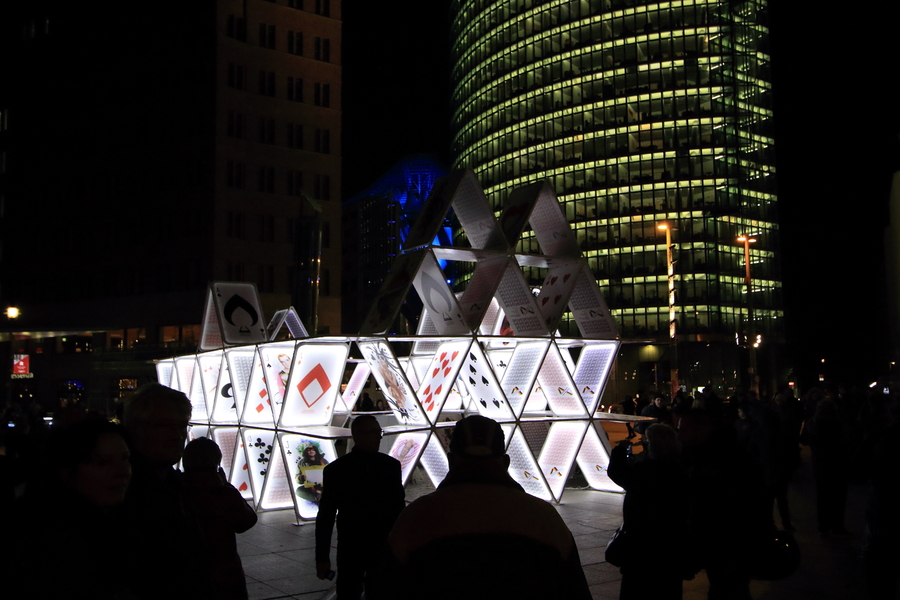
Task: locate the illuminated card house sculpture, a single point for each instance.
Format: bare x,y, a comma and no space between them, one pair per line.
492,349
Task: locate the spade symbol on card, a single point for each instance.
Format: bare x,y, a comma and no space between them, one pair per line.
472,370
484,380
227,391
238,307
483,403
472,381
472,357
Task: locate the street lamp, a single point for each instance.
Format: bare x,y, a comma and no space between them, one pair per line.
752,342
12,312
670,264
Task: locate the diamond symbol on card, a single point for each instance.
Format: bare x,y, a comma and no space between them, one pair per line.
260,407
314,385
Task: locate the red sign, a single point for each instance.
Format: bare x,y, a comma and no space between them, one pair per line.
20,364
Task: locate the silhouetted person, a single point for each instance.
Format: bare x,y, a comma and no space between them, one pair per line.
655,513
366,404
222,513
825,434
64,538
166,549
364,490
479,535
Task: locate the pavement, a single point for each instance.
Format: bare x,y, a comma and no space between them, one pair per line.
278,554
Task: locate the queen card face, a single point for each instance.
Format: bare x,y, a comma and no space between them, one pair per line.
277,360
394,385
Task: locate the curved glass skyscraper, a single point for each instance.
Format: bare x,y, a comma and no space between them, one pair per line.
640,114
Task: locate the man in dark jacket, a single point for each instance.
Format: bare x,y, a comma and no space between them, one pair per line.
364,489
480,536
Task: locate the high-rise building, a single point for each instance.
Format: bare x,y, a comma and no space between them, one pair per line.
148,151
639,114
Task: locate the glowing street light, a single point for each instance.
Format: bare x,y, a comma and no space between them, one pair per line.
670,264
12,312
753,341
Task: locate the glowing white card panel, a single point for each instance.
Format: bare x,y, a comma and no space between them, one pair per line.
407,448
417,367
239,314
164,371
479,293
224,409
593,460
589,308
210,373
551,228
315,384
438,299
387,303
199,411
559,389
441,376
518,303
558,453
306,459
258,405
537,401
522,466
490,321
556,290
434,460
184,373
426,327
390,377
277,360
521,373
227,439
593,370
482,386
277,492
240,476
260,445
475,214
240,366
356,385
197,431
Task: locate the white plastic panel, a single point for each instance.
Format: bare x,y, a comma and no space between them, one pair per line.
558,453
407,448
305,469
593,460
394,385
558,387
441,376
522,466
521,373
592,371
482,386
355,386
314,385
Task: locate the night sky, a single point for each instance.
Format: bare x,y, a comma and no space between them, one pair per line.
837,145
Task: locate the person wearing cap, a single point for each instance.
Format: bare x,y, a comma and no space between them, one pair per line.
363,490
480,535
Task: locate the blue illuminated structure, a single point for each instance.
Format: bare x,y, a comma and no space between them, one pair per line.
375,225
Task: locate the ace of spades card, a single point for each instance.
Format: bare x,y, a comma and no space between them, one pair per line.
441,375
481,384
232,309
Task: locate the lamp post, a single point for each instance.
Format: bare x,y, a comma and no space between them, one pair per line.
670,265
751,339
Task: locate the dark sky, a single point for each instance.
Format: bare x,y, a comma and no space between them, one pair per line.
837,126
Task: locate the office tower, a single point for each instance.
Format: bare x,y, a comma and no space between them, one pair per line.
151,150
639,114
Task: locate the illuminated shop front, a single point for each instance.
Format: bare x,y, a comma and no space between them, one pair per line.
638,114
493,349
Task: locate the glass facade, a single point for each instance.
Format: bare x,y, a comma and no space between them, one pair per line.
638,114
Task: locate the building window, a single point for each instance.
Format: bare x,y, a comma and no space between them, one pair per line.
322,141
235,174
234,224
326,234
266,179
322,49
295,42
266,280
235,76
295,136
236,28
267,83
266,232
266,131
323,7
295,89
267,36
295,184
298,4
322,95
236,125
322,187
235,271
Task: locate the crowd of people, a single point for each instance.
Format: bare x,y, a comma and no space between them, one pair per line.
723,467
106,514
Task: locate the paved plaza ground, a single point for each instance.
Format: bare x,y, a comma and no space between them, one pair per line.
278,555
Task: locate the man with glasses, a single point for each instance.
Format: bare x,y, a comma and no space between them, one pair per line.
364,490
